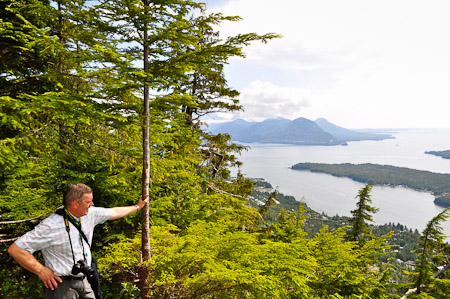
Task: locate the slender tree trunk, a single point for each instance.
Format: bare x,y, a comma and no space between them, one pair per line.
62,125
146,253
189,110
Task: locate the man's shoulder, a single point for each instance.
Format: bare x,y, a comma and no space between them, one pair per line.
50,223
97,215
98,212
53,219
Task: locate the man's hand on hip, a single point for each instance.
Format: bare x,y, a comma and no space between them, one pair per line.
49,278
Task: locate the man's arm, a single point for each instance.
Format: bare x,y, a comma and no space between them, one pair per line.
119,212
30,263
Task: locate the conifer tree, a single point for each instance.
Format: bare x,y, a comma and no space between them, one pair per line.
170,50
432,255
360,230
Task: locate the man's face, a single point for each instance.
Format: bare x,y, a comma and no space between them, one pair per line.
86,203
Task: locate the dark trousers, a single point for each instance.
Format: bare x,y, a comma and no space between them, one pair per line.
70,289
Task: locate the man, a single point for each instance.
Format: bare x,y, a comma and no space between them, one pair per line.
62,245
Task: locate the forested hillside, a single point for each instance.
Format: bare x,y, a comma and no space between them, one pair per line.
404,240
111,94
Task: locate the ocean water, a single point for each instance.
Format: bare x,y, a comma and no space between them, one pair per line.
337,196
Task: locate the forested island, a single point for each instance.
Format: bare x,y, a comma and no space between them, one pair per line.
436,183
443,154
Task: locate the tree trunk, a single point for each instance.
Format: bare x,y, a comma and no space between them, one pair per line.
62,125
146,253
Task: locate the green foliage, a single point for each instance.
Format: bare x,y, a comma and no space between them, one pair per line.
274,205
13,277
288,228
347,269
336,264
215,259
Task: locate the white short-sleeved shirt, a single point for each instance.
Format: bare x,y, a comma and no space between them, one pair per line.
50,236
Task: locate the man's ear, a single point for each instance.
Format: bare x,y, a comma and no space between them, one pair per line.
75,204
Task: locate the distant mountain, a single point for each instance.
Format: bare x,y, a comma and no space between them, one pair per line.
234,128
348,135
263,132
300,131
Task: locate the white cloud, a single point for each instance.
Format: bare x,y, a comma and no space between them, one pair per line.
264,100
360,63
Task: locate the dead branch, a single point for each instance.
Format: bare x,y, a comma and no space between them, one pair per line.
211,185
215,165
103,146
9,240
29,219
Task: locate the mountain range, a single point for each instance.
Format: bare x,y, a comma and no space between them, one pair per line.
300,131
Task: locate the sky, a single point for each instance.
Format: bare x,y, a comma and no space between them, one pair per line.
357,63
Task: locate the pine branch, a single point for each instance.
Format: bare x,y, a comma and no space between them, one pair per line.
435,275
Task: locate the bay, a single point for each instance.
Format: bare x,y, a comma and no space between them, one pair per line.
337,196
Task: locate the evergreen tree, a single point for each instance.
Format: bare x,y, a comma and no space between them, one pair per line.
432,256
360,230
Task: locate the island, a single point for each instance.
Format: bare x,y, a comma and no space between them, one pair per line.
436,183
443,154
